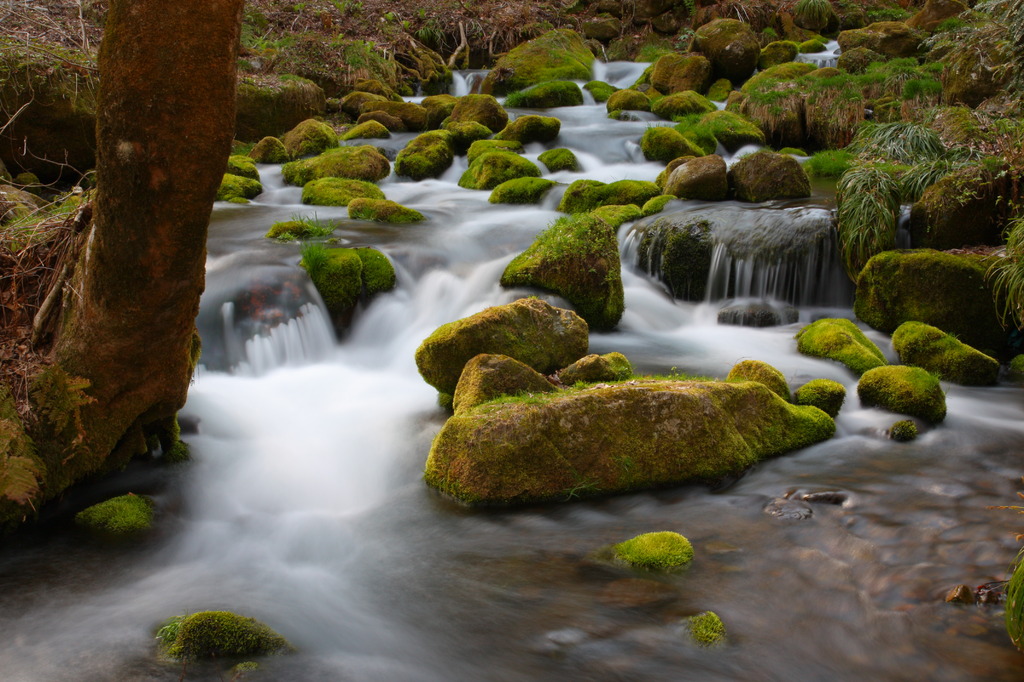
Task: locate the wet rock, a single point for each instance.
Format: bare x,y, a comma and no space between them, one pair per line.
560,54
835,497
677,73
426,156
731,46
765,175
483,109
965,208
961,594
308,138
679,253
489,376
757,315
929,347
703,179
904,390
789,510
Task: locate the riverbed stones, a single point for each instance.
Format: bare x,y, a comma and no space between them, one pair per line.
269,150
840,340
382,211
682,104
521,191
367,130
585,195
413,116
426,156
906,390
628,100
529,330
923,345
357,163
488,376
338,191
237,189
611,439
665,144
559,159
766,175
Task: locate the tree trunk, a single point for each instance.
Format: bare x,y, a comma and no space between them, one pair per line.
165,124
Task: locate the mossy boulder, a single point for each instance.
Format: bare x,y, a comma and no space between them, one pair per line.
121,516
343,276
613,439
368,130
352,103
530,330
521,191
531,128
972,76
600,90
586,195
825,394
560,54
426,156
547,96
603,28
762,373
242,166
412,115
731,130
840,340
490,169
777,52
965,208
594,368
382,211
577,258
309,138
483,109
617,214
858,59
679,72
941,289
682,104
560,159
357,163
766,175
812,46
338,191
664,144
237,189
488,376
465,133
269,150
731,46
663,550
677,249
481,147
719,90
219,634
439,108
706,628
890,38
656,205
906,390
274,105
628,100
703,178
391,123
929,347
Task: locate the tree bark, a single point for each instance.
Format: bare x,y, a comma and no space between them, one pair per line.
165,124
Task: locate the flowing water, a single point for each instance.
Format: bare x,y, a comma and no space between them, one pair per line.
304,504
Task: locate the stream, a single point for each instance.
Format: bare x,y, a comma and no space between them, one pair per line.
304,504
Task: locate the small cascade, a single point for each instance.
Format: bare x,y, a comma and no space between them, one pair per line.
619,74
467,81
828,57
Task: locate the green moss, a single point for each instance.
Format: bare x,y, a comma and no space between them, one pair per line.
812,46
600,90
382,211
309,138
656,205
560,54
831,163
358,163
1015,604
122,516
1017,366
766,175
775,74
678,72
336,274
366,130
269,150
777,52
682,104
658,551
531,128
243,166
338,191
719,90
762,373
664,144
929,347
585,195
490,169
378,273
903,431
299,228
216,634
547,96
595,368
840,340
731,46
413,116
795,151
559,159
616,214
238,189
578,259
521,191
679,255
906,390
731,129
627,100
825,394
700,135
465,133
483,109
483,146
426,156
488,376
706,628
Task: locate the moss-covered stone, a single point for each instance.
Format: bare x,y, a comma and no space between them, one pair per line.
530,330
338,278
547,96
706,628
439,108
531,128
777,52
857,60
585,195
664,144
617,214
309,138
731,129
269,150
237,189
825,394
628,100
521,191
378,272
731,46
490,169
218,634
903,431
242,166
338,191
560,159
489,376
704,179
941,289
274,105
426,156
294,229
907,390
678,252
594,368
812,46
929,347
368,130
766,175
412,115
890,38
972,76
719,90
352,103
965,208
762,373
481,147
682,104
934,12
391,123
356,163
121,516
605,440
382,211
679,72
656,205
560,54
483,109
465,133
840,340
578,259
662,551
600,90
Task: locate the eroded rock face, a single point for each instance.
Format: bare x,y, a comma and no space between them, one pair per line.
603,440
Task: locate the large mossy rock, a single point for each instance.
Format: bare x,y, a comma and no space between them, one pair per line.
731,129
529,330
840,340
238,189
585,195
766,175
531,128
338,191
682,104
309,138
346,275
413,116
825,394
680,72
358,163
972,76
677,249
762,373
521,191
269,150
777,52
219,634
483,109
731,46
480,147
367,130
560,54
665,144
271,106
547,96
488,376
703,179
490,169
930,348
941,289
890,38
965,208
628,100
605,440
906,390
559,159
426,156
577,258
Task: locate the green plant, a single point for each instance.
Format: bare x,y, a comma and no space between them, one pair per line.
168,631
869,205
706,628
900,142
831,163
314,257
814,14
1006,275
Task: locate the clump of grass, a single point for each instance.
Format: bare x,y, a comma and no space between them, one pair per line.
831,163
900,142
314,258
1006,275
869,207
903,431
813,14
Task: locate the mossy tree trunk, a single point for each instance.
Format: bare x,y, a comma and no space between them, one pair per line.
165,123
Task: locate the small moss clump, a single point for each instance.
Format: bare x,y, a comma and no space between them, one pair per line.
706,628
480,147
215,634
308,138
521,191
840,340
358,163
465,133
338,191
378,273
617,214
682,104
238,190
656,205
904,390
426,156
825,394
382,211
559,159
903,431
830,163
600,90
628,100
762,373
304,228
1017,367
585,195
269,150
242,166
719,90
594,368
122,516
658,551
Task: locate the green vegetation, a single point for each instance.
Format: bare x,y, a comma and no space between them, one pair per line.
426,156
595,368
706,628
840,340
242,166
664,144
869,205
1006,275
238,190
358,163
531,128
825,394
366,130
813,15
906,390
831,163
300,227
490,169
216,634
269,150
559,159
657,551
903,431
119,516
1015,603
546,96
309,138
583,196
762,373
